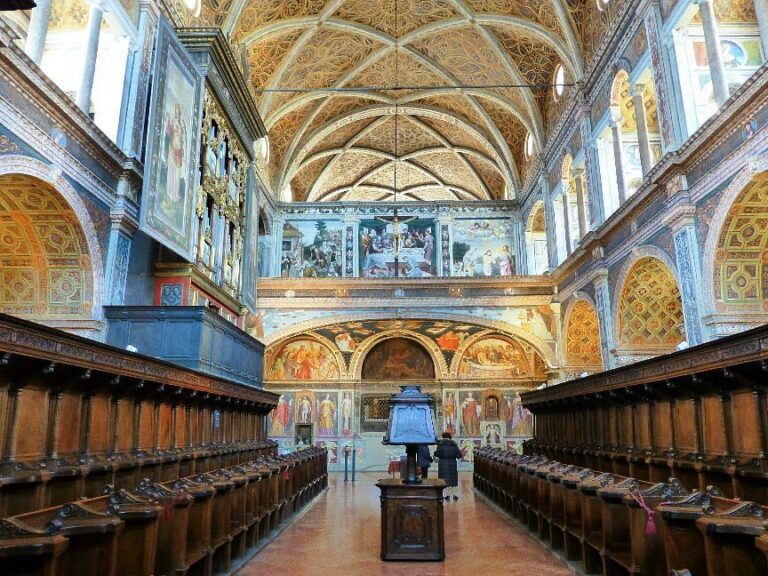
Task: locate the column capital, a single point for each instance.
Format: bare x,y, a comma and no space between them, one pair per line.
616,119
637,90
102,5
579,172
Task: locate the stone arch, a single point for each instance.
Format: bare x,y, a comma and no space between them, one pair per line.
736,253
304,357
55,235
581,334
364,348
648,308
532,360
541,346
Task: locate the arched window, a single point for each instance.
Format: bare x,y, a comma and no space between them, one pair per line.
559,81
602,4
529,146
193,6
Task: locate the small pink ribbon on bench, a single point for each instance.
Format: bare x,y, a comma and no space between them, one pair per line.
650,524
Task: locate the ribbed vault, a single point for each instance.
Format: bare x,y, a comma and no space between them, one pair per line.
333,138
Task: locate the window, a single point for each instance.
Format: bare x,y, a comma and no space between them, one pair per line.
529,145
559,86
602,4
193,6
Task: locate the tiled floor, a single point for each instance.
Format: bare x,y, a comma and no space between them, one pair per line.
339,536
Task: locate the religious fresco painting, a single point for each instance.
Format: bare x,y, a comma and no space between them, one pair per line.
450,412
492,434
327,413
280,421
470,411
483,248
305,410
311,249
168,198
417,256
398,359
494,357
303,359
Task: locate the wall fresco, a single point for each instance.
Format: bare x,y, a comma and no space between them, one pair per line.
417,253
303,359
398,358
483,248
311,249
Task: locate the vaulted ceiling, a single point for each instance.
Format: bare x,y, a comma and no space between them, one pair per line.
332,137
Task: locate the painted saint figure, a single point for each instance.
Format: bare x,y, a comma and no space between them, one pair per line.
346,414
281,415
305,410
326,414
449,412
469,417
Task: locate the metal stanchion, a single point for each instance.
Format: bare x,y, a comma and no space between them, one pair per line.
354,456
346,463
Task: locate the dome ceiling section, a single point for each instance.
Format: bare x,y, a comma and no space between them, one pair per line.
322,66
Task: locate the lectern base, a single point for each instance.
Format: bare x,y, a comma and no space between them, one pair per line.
412,520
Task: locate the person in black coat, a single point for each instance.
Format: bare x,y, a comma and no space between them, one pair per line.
448,453
423,459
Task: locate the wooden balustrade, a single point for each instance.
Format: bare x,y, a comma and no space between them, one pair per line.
201,525
615,525
698,415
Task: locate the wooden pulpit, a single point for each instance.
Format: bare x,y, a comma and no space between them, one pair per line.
412,526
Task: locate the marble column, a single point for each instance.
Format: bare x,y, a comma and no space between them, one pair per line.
91,54
549,217
580,204
689,277
277,246
643,138
592,171
521,256
714,51
665,79
761,9
566,218
605,318
136,92
38,30
618,156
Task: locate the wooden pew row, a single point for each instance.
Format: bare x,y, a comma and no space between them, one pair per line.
201,525
76,415
615,525
699,415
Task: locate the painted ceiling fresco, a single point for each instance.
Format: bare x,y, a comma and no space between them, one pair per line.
310,60
402,349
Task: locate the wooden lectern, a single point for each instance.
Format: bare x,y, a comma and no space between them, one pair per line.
412,525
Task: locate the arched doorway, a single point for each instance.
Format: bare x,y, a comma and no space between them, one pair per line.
46,263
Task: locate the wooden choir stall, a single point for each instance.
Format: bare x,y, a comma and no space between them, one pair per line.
116,464
652,468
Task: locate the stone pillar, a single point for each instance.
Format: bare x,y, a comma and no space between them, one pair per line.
714,53
91,54
136,92
643,138
277,246
443,246
351,246
521,256
549,217
618,156
761,9
665,80
605,318
38,30
689,275
580,205
122,228
566,218
592,171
